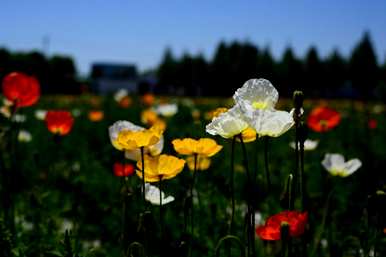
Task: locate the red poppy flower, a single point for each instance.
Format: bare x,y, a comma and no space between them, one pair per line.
21,89
372,123
272,228
322,119
59,122
123,170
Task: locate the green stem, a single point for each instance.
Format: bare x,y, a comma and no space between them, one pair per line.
266,144
143,174
160,214
232,184
192,204
289,188
301,176
297,171
251,213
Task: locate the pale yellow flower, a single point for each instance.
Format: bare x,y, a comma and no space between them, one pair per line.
203,147
130,140
126,136
203,163
160,167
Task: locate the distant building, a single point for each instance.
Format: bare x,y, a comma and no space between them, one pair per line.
110,77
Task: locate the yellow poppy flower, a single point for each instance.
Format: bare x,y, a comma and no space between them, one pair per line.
149,117
203,163
204,146
215,113
130,140
248,135
160,167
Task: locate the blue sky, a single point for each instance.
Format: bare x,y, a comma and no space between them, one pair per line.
138,32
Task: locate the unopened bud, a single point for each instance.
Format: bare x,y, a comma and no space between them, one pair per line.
298,98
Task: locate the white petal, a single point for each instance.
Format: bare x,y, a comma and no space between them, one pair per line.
227,124
333,161
152,194
121,125
167,110
157,148
351,166
257,90
121,93
310,144
269,123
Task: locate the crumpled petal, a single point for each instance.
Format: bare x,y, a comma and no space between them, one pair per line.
259,93
228,124
269,123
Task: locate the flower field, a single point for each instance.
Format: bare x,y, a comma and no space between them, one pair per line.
250,175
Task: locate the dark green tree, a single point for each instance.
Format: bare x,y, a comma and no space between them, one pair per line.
248,63
62,73
5,62
336,73
167,72
267,66
290,73
220,72
314,75
364,67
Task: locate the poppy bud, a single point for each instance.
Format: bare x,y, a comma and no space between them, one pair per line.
298,98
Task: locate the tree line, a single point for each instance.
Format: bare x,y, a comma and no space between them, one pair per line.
56,74
233,63
357,76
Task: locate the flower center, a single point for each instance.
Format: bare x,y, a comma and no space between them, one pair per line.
323,123
259,105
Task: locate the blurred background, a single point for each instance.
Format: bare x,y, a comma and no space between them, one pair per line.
329,49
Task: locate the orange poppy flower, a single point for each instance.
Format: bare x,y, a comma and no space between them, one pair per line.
148,99
322,119
95,115
272,229
123,170
59,122
125,102
21,89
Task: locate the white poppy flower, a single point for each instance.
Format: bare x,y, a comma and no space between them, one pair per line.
19,118
152,194
257,94
135,154
166,110
269,122
257,99
120,94
336,166
228,124
40,114
309,144
24,136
